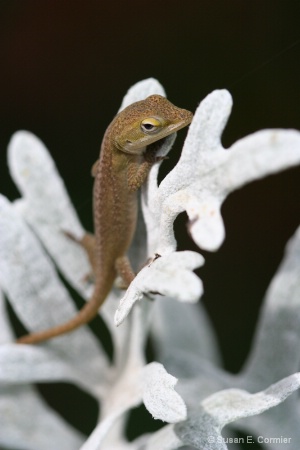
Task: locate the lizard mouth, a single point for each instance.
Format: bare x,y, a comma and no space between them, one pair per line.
135,147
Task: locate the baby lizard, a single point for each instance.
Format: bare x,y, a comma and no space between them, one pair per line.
127,153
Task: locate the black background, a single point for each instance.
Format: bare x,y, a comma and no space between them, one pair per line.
65,66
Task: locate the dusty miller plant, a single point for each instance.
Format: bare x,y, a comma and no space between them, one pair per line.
186,386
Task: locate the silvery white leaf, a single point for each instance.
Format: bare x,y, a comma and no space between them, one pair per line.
17,363
279,426
181,348
203,427
46,206
26,420
210,379
39,298
272,355
163,439
206,174
159,395
232,404
275,351
28,423
169,275
123,394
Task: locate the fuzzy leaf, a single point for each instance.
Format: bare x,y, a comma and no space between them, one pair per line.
275,349
159,396
206,174
203,428
28,423
169,275
39,298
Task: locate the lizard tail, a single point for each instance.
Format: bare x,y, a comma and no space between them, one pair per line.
87,313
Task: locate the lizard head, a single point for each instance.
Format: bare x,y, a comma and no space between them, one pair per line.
147,121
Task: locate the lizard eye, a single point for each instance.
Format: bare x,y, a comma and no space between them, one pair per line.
150,125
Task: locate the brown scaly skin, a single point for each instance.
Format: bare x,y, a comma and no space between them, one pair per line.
127,154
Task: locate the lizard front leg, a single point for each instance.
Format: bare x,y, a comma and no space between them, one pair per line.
138,171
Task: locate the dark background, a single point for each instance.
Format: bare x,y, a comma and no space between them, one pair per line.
65,66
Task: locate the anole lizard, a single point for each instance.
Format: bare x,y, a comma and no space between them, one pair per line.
127,153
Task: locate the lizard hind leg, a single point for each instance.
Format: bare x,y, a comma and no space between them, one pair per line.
125,272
